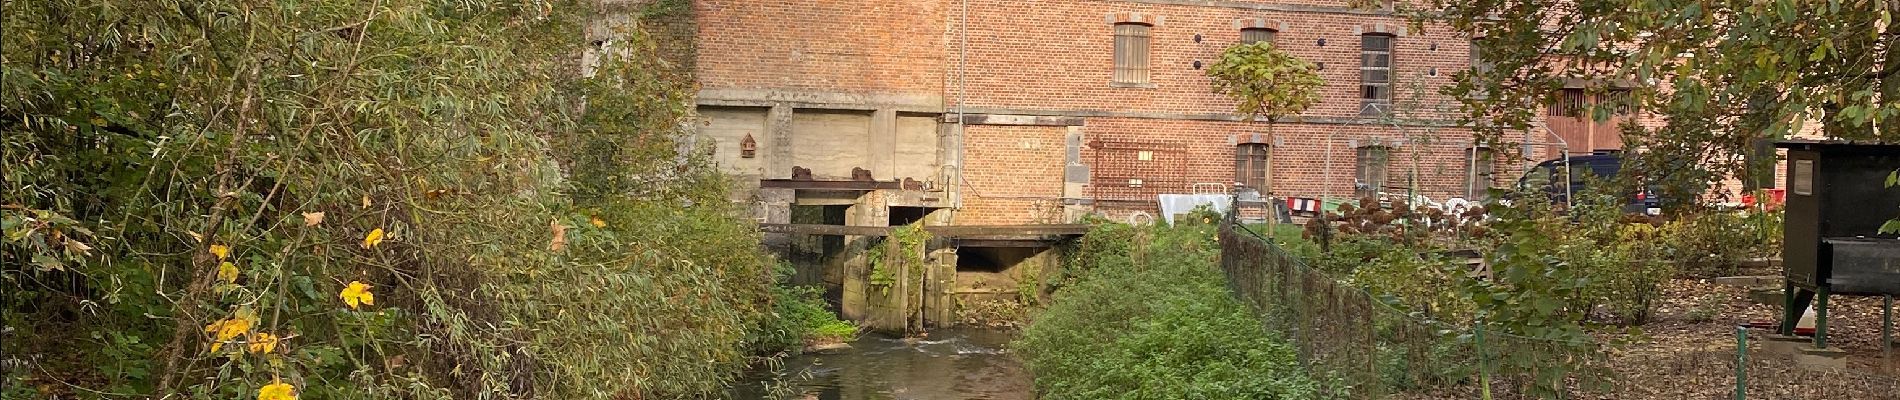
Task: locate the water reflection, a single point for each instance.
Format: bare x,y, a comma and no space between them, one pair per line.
947,365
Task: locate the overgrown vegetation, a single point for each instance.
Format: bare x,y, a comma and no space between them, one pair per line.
887,265
364,199
1145,314
802,319
1548,280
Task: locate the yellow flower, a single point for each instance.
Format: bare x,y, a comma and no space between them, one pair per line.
227,329
263,342
227,272
357,292
374,238
598,223
221,251
277,390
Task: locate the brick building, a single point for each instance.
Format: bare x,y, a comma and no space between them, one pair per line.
1032,112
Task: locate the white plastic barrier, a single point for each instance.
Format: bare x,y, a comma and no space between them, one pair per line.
1172,204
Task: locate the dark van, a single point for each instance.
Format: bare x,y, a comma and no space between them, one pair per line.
1550,174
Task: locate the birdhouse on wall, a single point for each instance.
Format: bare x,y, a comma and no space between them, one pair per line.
748,147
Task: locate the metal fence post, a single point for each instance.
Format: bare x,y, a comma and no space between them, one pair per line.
1741,363
1886,327
1484,360
1820,317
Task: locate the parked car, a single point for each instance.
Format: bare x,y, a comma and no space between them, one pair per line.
1550,175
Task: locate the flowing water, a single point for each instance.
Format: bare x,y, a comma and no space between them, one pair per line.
950,364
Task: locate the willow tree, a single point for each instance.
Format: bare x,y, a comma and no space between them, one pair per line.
1723,75
1265,82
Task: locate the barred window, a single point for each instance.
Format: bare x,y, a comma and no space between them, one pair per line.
1570,103
1256,35
1131,53
1480,66
1375,74
1251,166
1370,176
1483,172
1619,101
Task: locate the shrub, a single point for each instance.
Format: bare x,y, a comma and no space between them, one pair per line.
802,319
1710,243
504,226
1155,321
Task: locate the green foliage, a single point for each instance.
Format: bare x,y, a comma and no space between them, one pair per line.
1539,291
1411,280
802,319
909,243
1265,81
1710,244
1892,226
1150,318
1107,245
544,234
1706,308
1719,74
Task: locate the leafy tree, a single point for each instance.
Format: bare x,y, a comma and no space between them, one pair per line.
360,199
1720,74
1265,81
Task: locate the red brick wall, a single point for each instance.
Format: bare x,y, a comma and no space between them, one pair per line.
1012,175
838,46
1058,55
1301,158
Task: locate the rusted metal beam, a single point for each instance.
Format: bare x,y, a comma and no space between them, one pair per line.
1000,242
1006,230
828,185
827,230
1002,232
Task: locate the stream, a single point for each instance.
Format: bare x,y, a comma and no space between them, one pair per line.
949,364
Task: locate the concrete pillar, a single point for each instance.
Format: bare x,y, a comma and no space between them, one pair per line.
950,148
778,149
871,307
1075,176
882,146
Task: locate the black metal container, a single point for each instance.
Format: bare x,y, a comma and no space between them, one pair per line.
1837,201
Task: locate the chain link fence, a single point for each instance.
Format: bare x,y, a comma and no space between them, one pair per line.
1371,350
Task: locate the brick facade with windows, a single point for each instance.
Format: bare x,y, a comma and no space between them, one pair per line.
1037,121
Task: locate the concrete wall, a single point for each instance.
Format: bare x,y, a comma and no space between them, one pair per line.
830,142
727,127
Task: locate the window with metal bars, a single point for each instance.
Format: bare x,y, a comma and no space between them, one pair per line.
1483,172
1370,174
1251,165
1619,101
1256,35
1480,67
1570,103
1375,74
1131,53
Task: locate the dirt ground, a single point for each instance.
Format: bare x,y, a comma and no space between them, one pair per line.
1687,351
